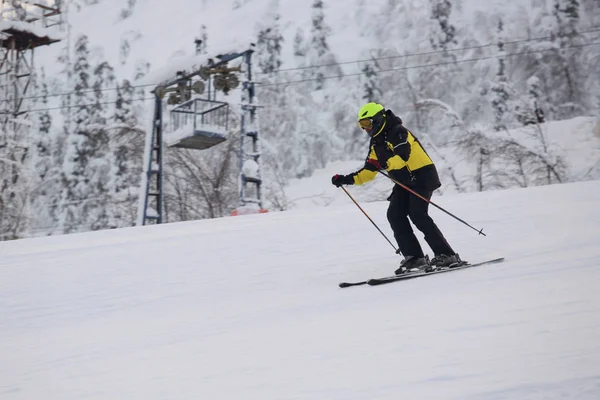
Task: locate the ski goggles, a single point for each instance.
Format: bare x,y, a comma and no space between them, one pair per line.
366,123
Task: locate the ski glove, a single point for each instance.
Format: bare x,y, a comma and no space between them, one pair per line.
339,180
372,163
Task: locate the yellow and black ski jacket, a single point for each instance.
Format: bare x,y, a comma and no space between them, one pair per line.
400,153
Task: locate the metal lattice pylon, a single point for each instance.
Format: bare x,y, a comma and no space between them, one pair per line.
24,26
250,149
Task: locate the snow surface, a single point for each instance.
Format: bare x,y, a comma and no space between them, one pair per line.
249,308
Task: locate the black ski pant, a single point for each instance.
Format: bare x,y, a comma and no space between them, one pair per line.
403,205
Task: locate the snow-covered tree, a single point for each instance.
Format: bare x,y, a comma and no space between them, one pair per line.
77,155
15,179
128,10
528,110
44,160
124,113
45,179
443,32
320,30
563,63
569,57
300,48
500,92
140,71
103,79
84,172
319,52
202,41
270,41
126,140
371,88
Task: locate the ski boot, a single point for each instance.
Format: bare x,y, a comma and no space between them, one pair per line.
414,264
446,261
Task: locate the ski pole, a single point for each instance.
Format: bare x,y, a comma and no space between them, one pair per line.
384,173
366,215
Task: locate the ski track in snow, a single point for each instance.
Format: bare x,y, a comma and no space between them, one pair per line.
248,307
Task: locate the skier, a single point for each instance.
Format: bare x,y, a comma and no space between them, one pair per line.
394,148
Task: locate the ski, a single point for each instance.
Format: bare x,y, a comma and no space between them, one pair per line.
411,275
348,284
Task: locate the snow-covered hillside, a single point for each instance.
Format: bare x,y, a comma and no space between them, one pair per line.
462,74
249,308
153,32
157,34
148,34
145,36
574,140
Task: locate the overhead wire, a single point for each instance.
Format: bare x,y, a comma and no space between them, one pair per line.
407,55
431,64
432,52
428,65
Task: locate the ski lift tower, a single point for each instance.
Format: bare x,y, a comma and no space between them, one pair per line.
198,121
24,26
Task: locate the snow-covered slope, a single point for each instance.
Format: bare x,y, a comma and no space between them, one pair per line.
158,33
160,36
249,308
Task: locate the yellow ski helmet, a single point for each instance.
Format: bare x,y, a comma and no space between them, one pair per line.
371,118
369,110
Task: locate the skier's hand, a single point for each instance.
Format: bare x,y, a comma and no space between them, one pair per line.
375,163
339,180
